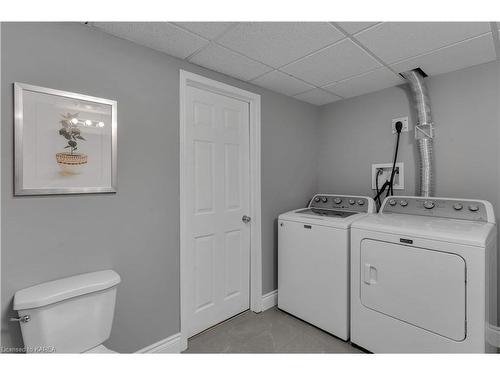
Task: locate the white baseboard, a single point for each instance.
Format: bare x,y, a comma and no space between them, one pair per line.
172,344
269,300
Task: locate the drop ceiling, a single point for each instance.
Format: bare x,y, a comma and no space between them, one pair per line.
318,62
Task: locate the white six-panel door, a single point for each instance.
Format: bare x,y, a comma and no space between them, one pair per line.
217,179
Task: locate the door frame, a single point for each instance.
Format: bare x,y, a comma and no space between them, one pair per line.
188,79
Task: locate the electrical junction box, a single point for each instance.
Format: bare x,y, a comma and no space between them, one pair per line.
385,175
404,120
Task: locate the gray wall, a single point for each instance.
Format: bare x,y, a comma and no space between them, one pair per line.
136,231
355,133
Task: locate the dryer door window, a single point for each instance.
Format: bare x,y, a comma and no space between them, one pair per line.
425,288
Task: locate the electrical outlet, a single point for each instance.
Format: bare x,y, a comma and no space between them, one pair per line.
385,175
404,120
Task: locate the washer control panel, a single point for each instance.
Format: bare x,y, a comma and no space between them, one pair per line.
438,207
340,202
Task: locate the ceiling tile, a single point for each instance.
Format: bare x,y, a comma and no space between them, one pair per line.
369,82
209,30
282,83
228,62
354,27
394,41
279,43
317,97
160,36
461,55
340,61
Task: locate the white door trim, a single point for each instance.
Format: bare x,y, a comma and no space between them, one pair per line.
195,80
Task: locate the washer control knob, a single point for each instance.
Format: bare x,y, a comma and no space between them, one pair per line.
352,201
404,203
337,201
429,204
361,202
317,199
458,206
324,199
392,202
473,207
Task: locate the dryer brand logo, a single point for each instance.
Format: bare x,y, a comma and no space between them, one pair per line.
406,240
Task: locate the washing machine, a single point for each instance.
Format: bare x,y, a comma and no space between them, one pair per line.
423,277
313,260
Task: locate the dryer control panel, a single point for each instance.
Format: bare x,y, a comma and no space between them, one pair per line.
351,203
451,208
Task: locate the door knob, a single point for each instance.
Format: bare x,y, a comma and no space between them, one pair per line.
246,219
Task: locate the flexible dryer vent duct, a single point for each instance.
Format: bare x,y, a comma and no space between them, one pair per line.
424,131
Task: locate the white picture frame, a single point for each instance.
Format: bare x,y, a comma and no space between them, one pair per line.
65,143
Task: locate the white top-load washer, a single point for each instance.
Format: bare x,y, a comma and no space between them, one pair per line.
313,260
423,276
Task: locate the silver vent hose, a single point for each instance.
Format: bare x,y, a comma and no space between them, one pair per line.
425,150
424,131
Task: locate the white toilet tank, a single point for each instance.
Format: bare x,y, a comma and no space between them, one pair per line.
70,315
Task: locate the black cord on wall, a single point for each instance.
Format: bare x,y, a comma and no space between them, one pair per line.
377,200
393,172
389,184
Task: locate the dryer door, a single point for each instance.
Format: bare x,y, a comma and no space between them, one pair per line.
425,288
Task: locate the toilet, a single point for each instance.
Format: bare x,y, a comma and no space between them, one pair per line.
70,315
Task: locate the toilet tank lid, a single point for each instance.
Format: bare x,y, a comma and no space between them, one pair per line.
61,289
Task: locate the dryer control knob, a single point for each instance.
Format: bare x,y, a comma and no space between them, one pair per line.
458,206
392,202
473,208
337,201
429,204
352,201
324,199
317,199
361,202
404,203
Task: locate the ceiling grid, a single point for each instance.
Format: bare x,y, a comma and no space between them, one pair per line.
318,62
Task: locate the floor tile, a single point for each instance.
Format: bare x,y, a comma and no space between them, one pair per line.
272,331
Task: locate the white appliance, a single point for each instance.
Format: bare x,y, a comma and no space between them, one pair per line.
313,260
70,315
423,277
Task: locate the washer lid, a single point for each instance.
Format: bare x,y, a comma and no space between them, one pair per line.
434,228
305,215
319,212
58,290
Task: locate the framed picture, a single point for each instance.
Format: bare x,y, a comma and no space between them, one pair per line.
65,143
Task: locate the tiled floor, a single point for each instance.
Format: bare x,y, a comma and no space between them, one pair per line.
272,331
